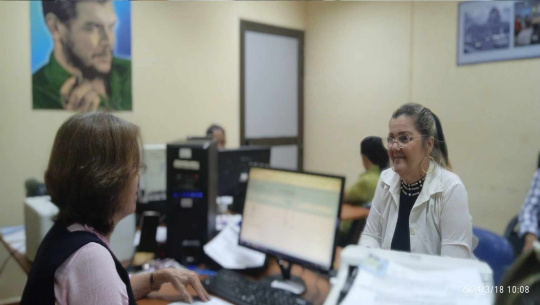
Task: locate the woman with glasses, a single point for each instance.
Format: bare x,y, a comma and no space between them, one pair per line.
419,206
92,177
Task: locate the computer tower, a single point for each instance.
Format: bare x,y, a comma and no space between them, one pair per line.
191,198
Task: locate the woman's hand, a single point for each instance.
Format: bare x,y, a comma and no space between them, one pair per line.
180,279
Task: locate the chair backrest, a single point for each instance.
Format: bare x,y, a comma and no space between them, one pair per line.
495,250
522,280
512,236
353,236
357,226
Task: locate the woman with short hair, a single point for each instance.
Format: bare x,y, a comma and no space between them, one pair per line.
92,177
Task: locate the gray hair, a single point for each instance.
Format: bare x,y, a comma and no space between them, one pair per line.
428,125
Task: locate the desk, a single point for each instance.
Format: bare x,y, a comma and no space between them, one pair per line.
25,263
317,287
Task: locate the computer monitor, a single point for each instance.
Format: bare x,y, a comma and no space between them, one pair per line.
293,216
200,138
152,185
233,167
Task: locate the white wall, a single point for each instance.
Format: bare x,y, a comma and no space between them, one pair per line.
186,59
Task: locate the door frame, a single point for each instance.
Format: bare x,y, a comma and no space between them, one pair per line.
246,26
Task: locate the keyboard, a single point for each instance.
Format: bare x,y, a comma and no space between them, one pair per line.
241,290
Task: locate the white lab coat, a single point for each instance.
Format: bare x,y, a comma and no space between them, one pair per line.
439,223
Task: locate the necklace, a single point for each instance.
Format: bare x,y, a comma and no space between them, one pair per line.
412,189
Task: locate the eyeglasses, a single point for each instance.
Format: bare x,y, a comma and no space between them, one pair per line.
401,141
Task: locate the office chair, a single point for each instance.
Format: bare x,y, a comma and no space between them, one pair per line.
512,236
353,236
495,250
522,281
357,226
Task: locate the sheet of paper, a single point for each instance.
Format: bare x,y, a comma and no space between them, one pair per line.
224,220
225,250
213,301
15,236
385,283
161,234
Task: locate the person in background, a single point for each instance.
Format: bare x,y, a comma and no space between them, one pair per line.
218,133
374,159
529,226
92,177
419,206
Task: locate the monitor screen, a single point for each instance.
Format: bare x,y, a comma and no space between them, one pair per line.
292,215
152,183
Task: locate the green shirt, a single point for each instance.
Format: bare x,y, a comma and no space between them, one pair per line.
361,192
47,81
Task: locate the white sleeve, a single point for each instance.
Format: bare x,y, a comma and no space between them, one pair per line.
372,235
456,223
92,278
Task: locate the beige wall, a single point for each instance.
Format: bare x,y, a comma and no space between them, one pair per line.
365,59
357,70
490,112
186,64
185,76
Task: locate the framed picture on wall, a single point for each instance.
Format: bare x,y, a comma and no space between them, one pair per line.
81,55
498,30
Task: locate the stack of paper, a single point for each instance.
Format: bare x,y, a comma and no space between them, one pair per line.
383,283
15,236
224,249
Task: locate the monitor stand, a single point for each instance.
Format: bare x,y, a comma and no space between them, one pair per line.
285,281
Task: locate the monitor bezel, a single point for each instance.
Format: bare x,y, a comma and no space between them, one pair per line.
199,138
290,258
234,152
